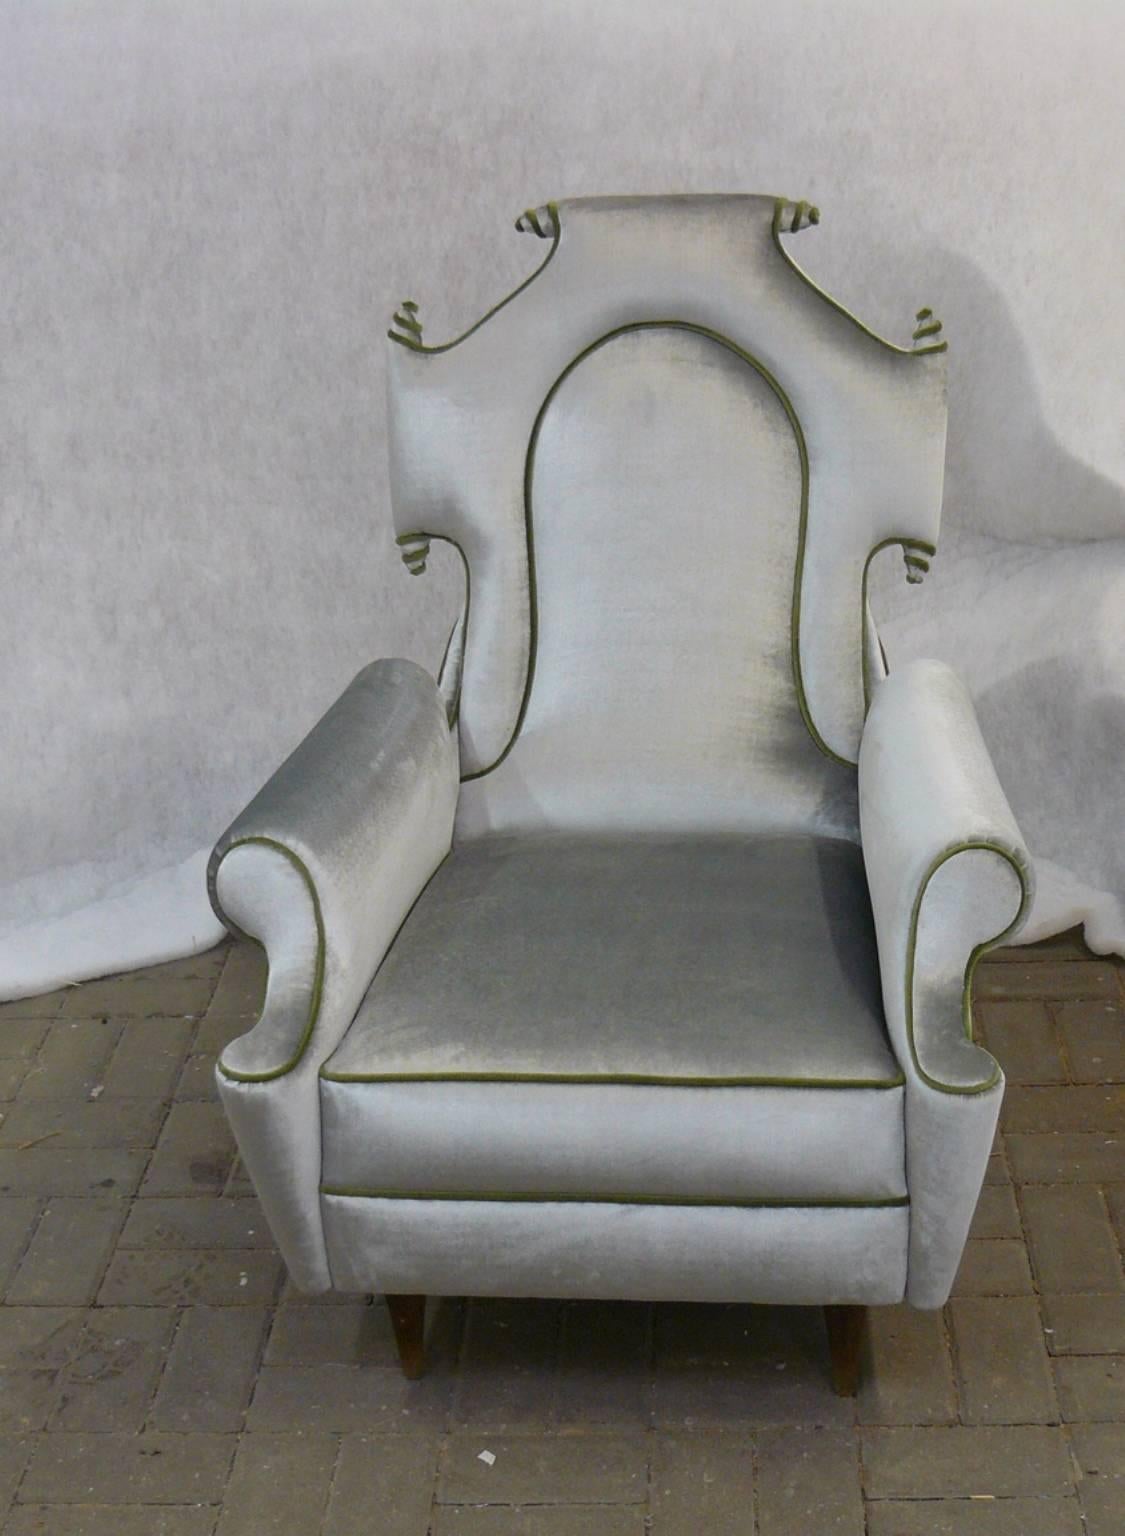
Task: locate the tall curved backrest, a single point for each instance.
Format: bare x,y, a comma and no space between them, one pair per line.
666,460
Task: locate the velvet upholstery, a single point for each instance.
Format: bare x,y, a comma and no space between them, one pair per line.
871,418
696,615
614,1140
617,959
948,875
352,825
678,1002
792,1255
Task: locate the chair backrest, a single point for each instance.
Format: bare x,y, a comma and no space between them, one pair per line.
666,460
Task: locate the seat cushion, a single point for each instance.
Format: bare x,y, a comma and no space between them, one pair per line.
728,960
625,1018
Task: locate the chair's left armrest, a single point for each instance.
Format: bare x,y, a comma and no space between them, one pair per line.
949,877
324,863
947,869
322,867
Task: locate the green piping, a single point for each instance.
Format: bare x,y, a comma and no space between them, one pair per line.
350,1192
987,846
779,208
906,545
645,1079
454,708
419,346
443,538
318,972
529,466
318,975
448,643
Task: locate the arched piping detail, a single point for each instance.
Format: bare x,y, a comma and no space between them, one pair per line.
803,214
529,466
409,334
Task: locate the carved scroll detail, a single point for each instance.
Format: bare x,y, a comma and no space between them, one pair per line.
928,329
406,326
539,221
789,218
414,549
916,559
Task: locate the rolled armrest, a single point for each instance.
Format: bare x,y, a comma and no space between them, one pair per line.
324,863
322,867
949,876
948,873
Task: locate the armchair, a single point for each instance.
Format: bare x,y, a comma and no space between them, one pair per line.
631,958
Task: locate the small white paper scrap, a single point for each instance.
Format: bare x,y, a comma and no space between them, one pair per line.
487,1457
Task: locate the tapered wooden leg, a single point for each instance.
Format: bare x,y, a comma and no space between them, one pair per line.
408,1319
845,1342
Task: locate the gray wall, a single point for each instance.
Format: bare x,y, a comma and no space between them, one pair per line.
209,210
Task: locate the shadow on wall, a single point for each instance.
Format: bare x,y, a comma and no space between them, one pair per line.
1007,474
1027,602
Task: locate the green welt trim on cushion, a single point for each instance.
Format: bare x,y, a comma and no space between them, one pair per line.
347,1192
640,1079
986,846
318,972
802,528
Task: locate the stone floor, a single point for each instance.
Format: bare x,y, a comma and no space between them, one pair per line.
160,1378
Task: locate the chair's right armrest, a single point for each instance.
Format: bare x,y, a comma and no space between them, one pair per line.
949,877
948,873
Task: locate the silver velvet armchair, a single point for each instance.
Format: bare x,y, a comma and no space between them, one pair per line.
631,958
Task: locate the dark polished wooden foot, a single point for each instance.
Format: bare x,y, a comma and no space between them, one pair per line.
408,1319
846,1327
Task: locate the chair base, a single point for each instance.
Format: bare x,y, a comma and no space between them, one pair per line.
408,1319
846,1328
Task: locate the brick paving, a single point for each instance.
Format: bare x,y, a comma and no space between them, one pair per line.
159,1377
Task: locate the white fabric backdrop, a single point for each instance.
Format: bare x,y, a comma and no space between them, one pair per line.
209,212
